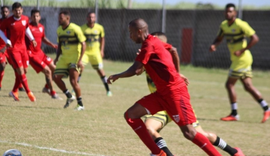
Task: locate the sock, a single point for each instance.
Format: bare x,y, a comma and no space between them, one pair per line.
234,109
104,80
47,86
67,93
140,129
24,82
224,146
263,104
17,83
1,77
201,141
79,78
79,100
161,143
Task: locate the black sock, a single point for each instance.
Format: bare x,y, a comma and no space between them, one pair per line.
234,112
265,108
224,146
79,100
163,146
67,93
104,80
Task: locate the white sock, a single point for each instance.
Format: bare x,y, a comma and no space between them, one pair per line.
234,106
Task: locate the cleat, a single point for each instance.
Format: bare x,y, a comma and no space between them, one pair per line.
266,116
55,96
46,90
15,95
162,153
79,108
31,96
230,118
69,100
239,152
21,89
109,93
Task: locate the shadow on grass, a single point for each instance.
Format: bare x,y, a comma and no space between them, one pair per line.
241,121
31,107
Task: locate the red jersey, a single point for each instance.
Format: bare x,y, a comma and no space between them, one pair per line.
159,65
39,34
15,30
2,42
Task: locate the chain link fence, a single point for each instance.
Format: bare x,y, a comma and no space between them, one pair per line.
190,31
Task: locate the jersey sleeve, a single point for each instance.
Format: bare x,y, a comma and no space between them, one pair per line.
102,32
246,28
80,34
220,32
4,25
146,51
167,46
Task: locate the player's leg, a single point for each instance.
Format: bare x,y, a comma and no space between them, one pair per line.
154,124
2,67
217,141
247,83
230,83
73,78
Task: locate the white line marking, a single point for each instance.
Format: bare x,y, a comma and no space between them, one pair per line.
49,148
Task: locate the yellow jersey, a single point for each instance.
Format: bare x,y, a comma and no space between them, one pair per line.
93,36
70,39
235,36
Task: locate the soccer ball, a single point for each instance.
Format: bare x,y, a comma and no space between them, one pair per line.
12,152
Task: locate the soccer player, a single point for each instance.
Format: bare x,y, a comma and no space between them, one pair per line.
37,59
155,123
16,27
235,31
95,42
3,62
171,95
71,47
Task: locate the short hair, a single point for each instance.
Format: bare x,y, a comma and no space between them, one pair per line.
91,12
230,5
160,35
65,12
4,6
16,5
33,11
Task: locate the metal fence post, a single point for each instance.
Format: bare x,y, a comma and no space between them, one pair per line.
96,10
163,26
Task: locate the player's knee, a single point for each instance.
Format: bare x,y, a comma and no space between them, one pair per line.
190,134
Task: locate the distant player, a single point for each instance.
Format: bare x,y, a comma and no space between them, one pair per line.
71,47
235,31
16,27
95,42
155,123
171,95
37,59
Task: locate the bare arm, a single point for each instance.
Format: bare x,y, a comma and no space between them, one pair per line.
59,52
253,40
82,52
216,42
175,57
134,69
102,45
48,42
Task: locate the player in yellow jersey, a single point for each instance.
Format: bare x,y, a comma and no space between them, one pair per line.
71,47
235,31
155,123
95,42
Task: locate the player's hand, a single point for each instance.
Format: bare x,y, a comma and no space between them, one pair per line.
139,50
185,79
102,53
8,44
34,43
55,46
55,61
212,48
239,52
79,64
112,78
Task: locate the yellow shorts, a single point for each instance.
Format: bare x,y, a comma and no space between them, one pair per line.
164,118
94,59
241,73
63,66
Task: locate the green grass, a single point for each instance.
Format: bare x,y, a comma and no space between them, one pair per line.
101,128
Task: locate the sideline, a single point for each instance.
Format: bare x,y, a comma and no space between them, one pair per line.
49,148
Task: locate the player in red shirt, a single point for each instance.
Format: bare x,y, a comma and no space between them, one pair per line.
37,58
171,95
16,27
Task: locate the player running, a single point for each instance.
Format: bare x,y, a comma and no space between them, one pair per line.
171,95
37,58
16,27
235,31
155,123
94,52
71,47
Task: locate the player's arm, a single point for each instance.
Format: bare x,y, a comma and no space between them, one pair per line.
253,40
5,39
217,41
134,69
48,42
58,53
175,57
102,45
82,52
30,36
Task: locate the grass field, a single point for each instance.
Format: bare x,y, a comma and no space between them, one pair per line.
44,128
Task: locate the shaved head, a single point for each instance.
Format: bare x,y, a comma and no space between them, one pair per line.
139,24
138,30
